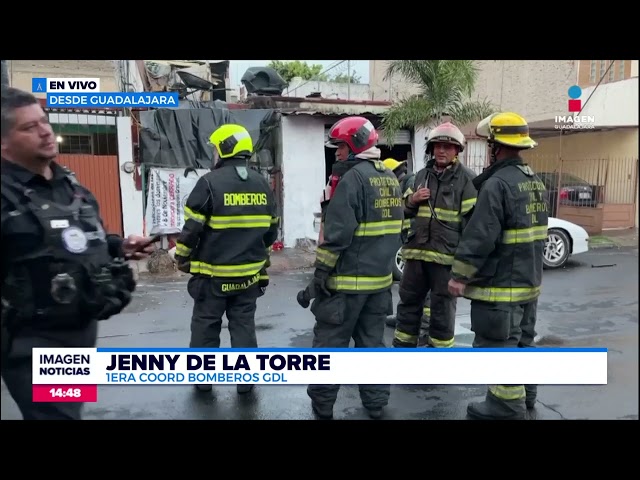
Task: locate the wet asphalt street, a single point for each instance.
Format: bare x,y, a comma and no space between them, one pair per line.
581,305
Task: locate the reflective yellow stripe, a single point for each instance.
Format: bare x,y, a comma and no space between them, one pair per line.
182,250
406,223
524,235
407,193
405,337
502,294
445,215
505,392
375,229
467,205
326,257
264,277
427,256
426,311
461,268
239,221
191,215
441,343
244,270
359,283
274,220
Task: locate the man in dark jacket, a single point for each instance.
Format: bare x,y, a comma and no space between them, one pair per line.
353,274
406,186
499,260
231,223
441,205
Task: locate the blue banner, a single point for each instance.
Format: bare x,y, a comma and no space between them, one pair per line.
113,100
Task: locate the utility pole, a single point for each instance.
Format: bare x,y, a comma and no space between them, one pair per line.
5,73
348,79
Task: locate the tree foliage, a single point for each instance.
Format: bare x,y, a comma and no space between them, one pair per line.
297,68
445,89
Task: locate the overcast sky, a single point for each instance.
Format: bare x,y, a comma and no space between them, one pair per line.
238,67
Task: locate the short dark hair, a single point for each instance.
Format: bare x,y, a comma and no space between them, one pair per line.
12,99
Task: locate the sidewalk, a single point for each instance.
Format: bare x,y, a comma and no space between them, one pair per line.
281,261
615,239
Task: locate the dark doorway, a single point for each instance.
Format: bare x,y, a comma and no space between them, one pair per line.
398,152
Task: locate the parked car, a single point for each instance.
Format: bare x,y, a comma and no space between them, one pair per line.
564,240
574,191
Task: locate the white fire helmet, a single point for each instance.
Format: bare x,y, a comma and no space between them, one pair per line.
445,133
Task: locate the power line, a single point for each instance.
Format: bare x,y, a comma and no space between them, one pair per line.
597,85
331,67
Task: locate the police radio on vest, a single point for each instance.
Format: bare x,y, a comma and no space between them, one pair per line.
73,85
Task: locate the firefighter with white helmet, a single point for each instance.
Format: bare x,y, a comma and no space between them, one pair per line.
406,184
498,262
441,203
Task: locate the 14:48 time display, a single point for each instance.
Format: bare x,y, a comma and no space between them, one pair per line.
65,392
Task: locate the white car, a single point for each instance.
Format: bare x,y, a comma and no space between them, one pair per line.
564,240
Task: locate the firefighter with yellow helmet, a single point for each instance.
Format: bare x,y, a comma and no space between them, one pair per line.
230,223
498,262
441,203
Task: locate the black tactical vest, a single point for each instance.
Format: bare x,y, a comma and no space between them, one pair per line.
63,282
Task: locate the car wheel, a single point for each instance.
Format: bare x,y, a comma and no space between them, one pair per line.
398,265
556,249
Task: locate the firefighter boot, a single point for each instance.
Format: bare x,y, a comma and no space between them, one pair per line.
374,413
244,388
494,408
322,412
532,394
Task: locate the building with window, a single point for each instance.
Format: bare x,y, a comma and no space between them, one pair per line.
591,71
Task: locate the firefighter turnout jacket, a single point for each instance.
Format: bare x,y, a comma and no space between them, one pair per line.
500,254
453,197
406,187
231,223
362,230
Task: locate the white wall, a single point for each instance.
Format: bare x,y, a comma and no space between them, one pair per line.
132,218
418,148
303,175
613,104
301,88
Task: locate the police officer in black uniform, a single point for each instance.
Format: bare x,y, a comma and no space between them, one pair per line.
231,222
61,272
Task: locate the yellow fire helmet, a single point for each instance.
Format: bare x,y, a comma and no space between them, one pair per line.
506,128
232,140
392,163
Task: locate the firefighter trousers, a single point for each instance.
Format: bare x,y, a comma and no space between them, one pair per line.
208,310
339,319
506,325
418,280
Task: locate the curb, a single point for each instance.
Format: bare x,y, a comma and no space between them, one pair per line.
604,246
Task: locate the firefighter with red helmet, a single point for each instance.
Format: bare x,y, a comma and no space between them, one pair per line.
441,205
353,268
345,160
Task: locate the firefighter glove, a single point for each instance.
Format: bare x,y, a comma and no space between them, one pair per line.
320,278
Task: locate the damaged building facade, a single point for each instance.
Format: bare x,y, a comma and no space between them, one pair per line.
289,135
171,150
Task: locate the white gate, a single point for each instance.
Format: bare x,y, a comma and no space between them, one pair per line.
475,155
